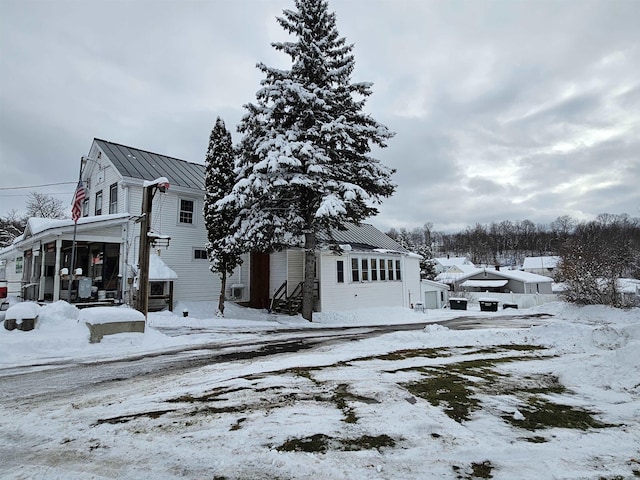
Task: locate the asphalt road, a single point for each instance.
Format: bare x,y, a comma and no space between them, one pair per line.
59,379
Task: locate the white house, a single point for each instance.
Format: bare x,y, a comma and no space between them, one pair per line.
503,281
541,265
442,264
372,269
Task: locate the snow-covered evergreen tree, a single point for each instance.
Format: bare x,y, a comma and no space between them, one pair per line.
223,248
305,163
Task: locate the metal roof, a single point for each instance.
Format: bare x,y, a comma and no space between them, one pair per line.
363,235
135,163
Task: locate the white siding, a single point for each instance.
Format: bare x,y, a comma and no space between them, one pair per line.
295,269
351,295
277,271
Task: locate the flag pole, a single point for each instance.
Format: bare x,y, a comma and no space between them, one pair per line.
75,229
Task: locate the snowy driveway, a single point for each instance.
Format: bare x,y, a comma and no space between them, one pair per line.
559,400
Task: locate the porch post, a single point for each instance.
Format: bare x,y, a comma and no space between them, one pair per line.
56,275
123,260
43,262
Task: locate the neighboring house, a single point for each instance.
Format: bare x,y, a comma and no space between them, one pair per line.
503,281
372,270
442,264
453,273
546,266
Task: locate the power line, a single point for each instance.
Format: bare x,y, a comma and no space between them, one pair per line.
4,195
38,186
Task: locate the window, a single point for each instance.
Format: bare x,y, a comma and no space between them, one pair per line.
113,198
99,203
19,262
186,211
374,269
390,269
85,207
398,276
365,269
355,272
340,271
199,254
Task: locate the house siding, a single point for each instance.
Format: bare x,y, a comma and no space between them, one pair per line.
352,295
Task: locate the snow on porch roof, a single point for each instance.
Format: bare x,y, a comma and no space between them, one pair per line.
160,271
484,283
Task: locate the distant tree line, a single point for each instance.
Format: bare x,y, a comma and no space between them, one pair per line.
593,254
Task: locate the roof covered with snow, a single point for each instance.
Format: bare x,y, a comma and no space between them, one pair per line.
540,262
160,271
135,163
525,277
37,225
450,261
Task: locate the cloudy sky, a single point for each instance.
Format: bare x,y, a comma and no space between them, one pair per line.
503,109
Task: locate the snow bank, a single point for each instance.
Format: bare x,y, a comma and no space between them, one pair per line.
98,315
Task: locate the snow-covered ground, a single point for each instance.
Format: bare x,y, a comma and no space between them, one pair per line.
560,400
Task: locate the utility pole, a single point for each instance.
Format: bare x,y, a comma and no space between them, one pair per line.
148,191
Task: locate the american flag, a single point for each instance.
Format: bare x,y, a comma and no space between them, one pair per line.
78,198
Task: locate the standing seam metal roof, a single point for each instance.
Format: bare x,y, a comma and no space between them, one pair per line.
364,235
136,163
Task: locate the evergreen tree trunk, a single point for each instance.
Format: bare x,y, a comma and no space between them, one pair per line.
223,288
309,275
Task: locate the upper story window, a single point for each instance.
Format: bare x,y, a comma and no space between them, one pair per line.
186,212
113,198
98,203
85,207
200,254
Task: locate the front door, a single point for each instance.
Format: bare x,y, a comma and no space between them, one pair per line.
259,278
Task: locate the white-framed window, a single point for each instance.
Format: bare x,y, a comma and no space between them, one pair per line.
200,254
85,207
98,210
185,212
372,269
355,270
364,262
113,198
340,271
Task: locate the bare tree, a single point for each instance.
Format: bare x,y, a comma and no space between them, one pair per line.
44,206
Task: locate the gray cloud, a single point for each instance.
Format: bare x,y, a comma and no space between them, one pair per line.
503,110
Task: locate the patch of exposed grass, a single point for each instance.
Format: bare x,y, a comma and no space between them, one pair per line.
442,388
320,443
482,470
541,413
128,418
214,395
238,424
411,353
536,439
